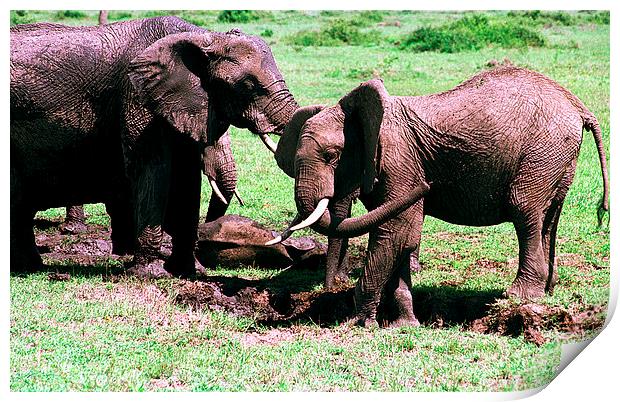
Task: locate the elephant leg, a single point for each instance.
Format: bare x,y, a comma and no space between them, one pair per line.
75,220
150,178
122,224
24,255
400,306
337,263
549,232
182,213
550,227
533,269
389,249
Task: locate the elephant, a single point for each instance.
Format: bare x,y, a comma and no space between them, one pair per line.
236,240
218,166
131,106
500,147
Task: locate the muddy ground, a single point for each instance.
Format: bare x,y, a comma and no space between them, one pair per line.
274,302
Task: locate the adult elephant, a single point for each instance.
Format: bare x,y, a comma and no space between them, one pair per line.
500,147
133,102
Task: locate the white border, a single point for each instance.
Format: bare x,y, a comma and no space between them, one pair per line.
591,376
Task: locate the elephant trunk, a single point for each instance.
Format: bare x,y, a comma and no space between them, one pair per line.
352,227
274,112
221,170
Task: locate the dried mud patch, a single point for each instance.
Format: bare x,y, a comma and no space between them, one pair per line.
265,306
531,320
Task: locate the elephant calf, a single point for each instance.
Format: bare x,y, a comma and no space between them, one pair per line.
500,147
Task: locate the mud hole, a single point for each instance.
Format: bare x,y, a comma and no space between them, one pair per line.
473,311
271,302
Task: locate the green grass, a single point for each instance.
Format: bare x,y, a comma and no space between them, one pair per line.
92,334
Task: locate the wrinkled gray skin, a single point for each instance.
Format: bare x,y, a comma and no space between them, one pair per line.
131,106
236,240
500,147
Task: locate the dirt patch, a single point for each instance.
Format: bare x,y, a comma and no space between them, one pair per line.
436,307
532,319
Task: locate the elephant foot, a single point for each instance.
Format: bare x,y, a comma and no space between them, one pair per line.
404,322
73,227
151,270
26,264
361,321
525,291
337,281
183,267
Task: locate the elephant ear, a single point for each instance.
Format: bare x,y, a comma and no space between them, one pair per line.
287,146
170,79
365,105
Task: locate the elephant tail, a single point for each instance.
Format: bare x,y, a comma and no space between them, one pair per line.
591,124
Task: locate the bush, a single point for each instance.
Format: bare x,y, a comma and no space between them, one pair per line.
267,33
242,16
471,33
73,14
21,17
336,33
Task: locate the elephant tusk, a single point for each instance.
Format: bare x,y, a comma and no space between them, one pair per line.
239,198
217,191
286,234
269,143
314,216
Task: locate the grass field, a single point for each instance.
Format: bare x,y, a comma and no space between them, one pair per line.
93,334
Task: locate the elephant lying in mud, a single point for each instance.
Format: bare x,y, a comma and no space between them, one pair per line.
126,109
236,240
500,147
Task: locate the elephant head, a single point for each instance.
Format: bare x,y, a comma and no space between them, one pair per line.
337,153
201,82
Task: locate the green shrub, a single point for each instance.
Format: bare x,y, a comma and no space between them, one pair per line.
267,33
243,16
21,17
336,33
471,33
372,16
73,14
124,15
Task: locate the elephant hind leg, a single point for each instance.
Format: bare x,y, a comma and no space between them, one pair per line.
550,227
549,231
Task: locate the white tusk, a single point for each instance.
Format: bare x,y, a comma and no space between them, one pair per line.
314,216
269,143
286,234
217,191
239,198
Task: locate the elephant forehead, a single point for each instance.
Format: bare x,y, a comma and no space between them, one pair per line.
327,124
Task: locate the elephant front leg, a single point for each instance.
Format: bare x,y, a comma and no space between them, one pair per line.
150,194
182,213
387,272
337,263
75,220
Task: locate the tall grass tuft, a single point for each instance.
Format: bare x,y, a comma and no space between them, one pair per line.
472,32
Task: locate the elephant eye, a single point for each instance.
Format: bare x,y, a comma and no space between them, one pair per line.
331,156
